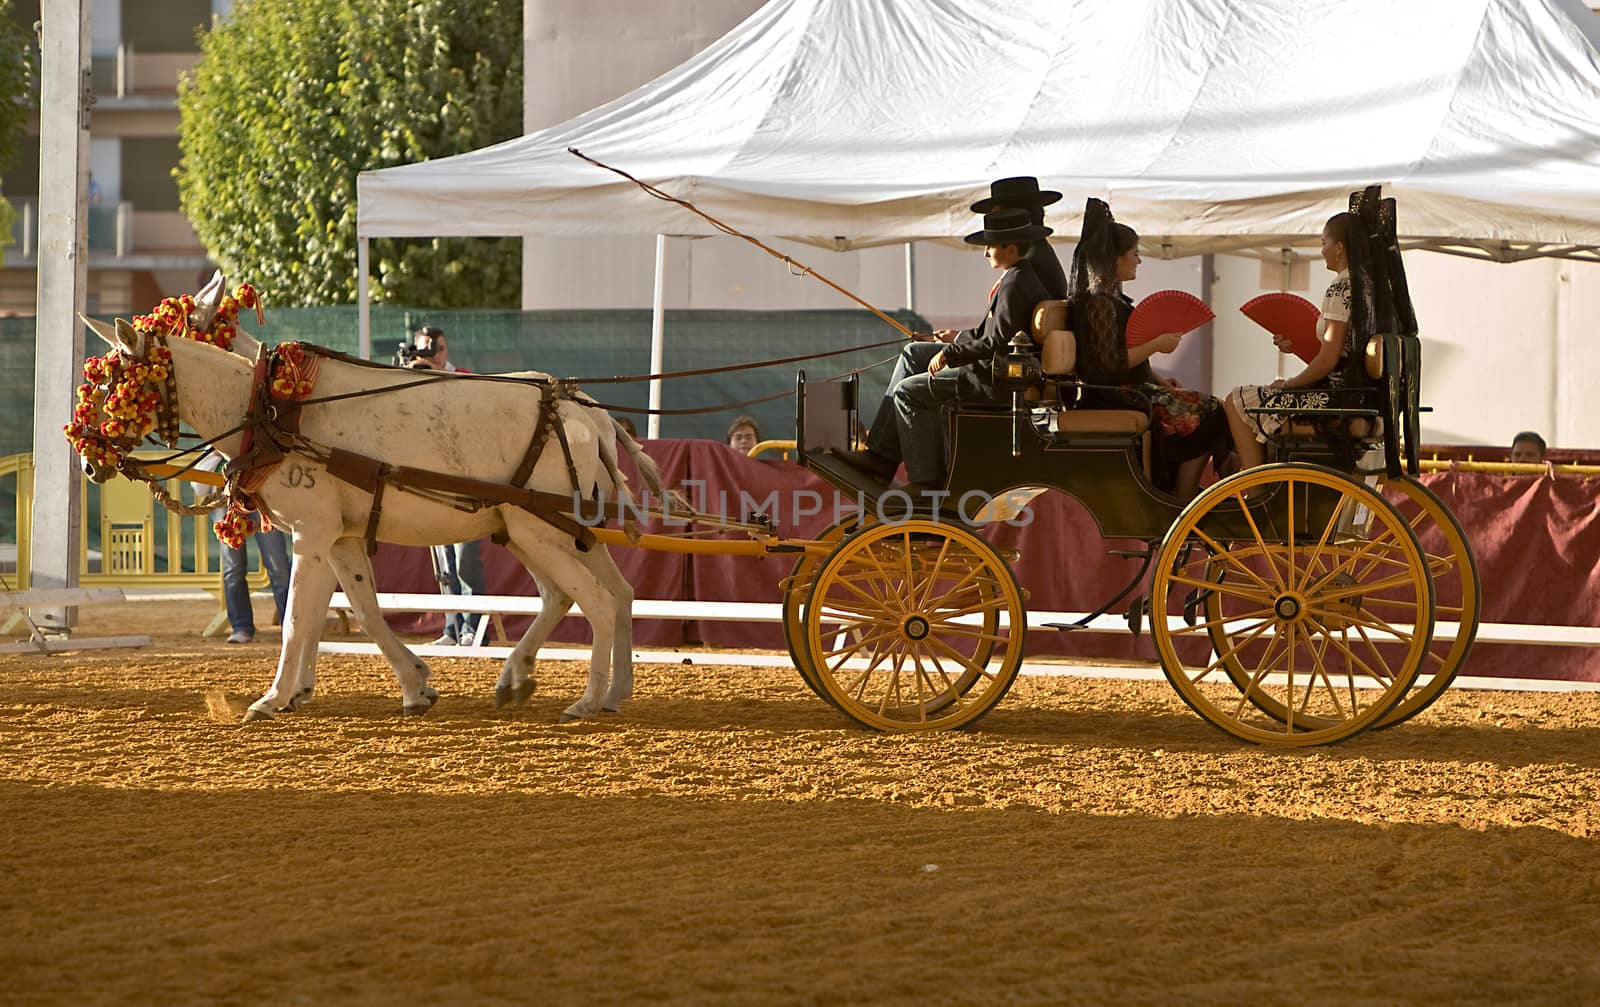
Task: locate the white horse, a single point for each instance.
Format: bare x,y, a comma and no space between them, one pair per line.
460,426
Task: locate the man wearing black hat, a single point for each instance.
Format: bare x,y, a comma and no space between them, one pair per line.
1023,193
909,426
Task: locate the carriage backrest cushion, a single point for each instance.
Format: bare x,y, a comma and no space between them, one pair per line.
1048,317
1060,353
1374,361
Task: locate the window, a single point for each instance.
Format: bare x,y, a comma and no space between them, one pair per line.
147,164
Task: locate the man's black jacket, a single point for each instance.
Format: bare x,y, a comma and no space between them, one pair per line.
1010,311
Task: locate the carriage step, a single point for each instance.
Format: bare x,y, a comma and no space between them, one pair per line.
1136,615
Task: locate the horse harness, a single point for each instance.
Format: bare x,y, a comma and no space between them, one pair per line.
272,431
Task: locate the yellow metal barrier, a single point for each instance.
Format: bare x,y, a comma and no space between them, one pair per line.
784,446
129,534
1437,464
21,468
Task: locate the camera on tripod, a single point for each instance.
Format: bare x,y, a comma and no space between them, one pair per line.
420,351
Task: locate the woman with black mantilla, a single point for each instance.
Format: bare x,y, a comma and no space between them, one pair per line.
1187,427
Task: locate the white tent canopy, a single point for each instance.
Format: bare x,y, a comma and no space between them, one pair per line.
1211,125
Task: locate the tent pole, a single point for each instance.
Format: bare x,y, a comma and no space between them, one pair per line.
364,322
657,329
911,276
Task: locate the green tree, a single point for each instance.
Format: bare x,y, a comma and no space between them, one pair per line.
16,76
291,99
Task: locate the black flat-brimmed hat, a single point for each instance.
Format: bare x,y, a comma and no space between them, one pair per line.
1023,191
1007,227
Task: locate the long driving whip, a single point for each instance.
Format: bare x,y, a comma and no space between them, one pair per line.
798,268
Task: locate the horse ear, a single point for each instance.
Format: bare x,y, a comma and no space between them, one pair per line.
105,330
212,292
207,301
130,339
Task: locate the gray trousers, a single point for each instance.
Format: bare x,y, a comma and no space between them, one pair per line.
909,426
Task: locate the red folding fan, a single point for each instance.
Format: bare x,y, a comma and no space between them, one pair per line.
1287,315
1166,311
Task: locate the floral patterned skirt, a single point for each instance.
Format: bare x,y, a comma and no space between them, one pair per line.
1187,424
1180,412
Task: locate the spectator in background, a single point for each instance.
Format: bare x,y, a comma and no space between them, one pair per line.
1528,448
274,549
743,434
458,567
627,424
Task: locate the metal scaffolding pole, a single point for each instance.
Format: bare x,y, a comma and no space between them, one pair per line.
65,94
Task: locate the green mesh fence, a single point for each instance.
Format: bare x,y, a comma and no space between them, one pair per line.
563,343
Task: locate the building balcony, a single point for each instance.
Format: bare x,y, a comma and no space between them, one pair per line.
120,237
129,79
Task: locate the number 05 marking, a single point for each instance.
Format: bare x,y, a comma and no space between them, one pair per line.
296,475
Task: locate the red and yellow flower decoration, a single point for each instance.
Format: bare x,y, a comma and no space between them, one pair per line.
294,372
117,405
236,525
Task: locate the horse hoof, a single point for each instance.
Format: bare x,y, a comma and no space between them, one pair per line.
610,709
509,695
254,714
567,718
417,710
430,693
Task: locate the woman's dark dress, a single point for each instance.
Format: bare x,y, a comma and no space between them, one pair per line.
1185,423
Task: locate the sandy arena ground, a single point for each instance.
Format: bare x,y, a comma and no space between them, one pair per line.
729,839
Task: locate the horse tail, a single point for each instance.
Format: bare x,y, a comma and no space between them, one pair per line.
648,470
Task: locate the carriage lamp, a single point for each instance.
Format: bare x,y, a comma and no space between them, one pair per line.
1020,370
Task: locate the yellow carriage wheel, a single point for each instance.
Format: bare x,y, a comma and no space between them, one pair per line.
909,626
797,588
1457,592
1317,601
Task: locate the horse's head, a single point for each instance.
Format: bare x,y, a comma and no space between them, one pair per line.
123,398
131,392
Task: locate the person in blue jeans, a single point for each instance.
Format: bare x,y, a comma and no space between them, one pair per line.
274,548
459,568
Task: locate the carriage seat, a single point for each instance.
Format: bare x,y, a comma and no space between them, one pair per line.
1058,351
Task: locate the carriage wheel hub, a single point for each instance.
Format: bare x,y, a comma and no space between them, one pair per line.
1289,607
915,627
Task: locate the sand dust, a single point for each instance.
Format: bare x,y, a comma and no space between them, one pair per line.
730,839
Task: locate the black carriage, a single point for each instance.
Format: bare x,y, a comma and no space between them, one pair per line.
1335,591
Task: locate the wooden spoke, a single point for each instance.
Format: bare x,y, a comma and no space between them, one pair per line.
1210,624
1217,549
1254,632
1322,672
1250,519
933,575
1322,543
939,602
973,633
1375,675
1260,672
1222,587
863,640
